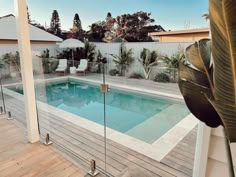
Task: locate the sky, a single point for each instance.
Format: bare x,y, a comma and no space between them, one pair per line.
170,14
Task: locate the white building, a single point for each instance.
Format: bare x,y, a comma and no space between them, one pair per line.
39,39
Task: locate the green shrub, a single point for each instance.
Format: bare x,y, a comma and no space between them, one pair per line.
136,76
162,77
53,64
124,59
113,72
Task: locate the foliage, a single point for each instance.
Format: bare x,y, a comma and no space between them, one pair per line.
66,54
207,77
49,64
77,22
28,16
162,77
173,60
2,63
14,59
131,27
136,76
33,22
96,32
76,31
55,25
113,72
45,61
148,59
135,27
124,59
99,56
4,60
99,60
11,59
89,50
38,25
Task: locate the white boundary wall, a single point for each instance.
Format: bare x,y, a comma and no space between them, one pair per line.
164,48
38,48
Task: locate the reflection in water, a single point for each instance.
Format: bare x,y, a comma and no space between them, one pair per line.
124,111
146,118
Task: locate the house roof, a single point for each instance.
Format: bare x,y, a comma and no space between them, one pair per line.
189,31
8,31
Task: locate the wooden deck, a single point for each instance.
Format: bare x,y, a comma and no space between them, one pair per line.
19,158
181,157
83,145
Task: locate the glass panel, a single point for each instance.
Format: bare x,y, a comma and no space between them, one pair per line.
145,112
12,100
70,103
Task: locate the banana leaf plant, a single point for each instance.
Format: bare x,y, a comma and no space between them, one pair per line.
208,74
148,59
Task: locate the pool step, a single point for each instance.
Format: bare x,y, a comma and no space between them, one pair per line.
154,127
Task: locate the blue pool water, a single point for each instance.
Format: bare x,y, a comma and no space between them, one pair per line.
143,117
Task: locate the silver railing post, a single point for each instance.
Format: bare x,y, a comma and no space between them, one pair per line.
93,171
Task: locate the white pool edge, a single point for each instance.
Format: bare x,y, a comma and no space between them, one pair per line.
157,150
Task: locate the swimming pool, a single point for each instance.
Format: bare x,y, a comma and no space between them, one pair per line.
143,117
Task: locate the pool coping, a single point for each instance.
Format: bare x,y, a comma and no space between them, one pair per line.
157,150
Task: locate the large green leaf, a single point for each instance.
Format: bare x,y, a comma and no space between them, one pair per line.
223,28
196,99
208,75
196,84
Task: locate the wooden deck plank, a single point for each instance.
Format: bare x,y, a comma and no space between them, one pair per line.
122,160
28,160
66,171
76,174
117,153
152,166
177,166
109,148
182,156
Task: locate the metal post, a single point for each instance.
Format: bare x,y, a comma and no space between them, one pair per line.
47,140
1,110
105,126
93,171
9,116
3,99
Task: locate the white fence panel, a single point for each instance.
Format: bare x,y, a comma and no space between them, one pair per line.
164,48
6,48
112,48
